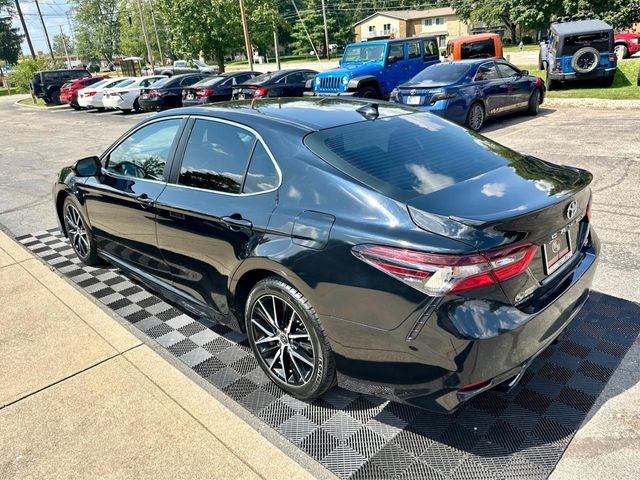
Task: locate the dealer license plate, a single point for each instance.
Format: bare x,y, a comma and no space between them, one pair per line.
413,100
190,96
557,251
241,96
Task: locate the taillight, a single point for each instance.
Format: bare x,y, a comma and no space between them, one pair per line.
90,94
441,274
442,96
538,81
205,92
474,386
260,92
154,93
557,67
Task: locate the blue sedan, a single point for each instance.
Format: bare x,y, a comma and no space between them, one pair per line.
470,91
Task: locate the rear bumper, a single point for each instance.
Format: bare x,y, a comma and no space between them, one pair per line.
595,75
328,94
428,371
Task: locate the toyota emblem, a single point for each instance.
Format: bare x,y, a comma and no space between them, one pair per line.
572,209
413,91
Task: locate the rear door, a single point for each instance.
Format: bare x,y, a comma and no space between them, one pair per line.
414,61
518,87
294,84
120,202
492,87
394,67
216,207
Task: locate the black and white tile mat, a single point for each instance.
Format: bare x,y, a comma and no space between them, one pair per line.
517,435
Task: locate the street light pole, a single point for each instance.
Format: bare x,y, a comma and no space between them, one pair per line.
155,27
326,31
247,38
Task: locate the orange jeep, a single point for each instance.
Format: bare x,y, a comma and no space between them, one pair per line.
484,45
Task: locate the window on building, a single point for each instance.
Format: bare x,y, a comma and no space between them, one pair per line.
441,21
442,41
386,28
372,29
427,22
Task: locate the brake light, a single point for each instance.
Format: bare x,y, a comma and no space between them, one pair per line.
204,92
474,386
538,81
154,93
557,67
260,92
90,94
441,274
441,96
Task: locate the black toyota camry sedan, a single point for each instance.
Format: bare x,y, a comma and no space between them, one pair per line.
367,244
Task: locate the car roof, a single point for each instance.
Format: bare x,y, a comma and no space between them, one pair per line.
308,114
390,40
580,26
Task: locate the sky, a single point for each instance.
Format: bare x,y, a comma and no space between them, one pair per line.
54,13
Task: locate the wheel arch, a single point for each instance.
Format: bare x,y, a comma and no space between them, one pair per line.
61,196
252,271
364,81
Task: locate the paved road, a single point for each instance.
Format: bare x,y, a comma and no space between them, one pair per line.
35,144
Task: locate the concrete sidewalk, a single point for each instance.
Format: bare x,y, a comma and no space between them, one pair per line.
82,397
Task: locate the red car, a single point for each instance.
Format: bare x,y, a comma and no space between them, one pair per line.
626,44
69,91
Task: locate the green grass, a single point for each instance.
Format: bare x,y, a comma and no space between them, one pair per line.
4,93
624,85
39,103
525,48
288,59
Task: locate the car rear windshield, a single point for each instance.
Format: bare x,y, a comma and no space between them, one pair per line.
441,74
478,49
264,78
165,82
600,41
209,81
408,155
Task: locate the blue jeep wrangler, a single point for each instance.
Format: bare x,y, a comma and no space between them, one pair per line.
373,69
579,50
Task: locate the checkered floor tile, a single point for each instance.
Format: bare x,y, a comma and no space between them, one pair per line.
521,434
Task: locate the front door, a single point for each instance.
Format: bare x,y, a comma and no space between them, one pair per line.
120,201
395,67
212,214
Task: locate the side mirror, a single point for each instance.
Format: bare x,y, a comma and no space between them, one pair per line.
87,167
524,73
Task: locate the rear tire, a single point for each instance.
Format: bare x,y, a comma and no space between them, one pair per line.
136,105
125,110
288,340
551,84
55,97
100,109
79,233
534,103
622,52
475,117
367,92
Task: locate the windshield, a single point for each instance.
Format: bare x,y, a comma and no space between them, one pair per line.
101,83
363,53
264,78
209,81
407,155
441,74
200,64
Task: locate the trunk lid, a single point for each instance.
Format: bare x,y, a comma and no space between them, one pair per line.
528,201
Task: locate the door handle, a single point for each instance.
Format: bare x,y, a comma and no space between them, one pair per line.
236,222
144,200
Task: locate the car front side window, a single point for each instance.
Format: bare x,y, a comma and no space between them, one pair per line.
216,157
487,71
145,152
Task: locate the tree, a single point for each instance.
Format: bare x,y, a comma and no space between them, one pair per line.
27,66
59,42
10,38
97,28
131,36
618,13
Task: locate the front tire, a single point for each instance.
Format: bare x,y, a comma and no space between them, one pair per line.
367,92
79,233
288,340
534,103
476,117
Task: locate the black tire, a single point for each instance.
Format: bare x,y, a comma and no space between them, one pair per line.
55,97
581,63
607,81
534,102
80,236
476,117
551,84
136,105
367,92
125,110
272,299
47,100
100,109
622,51
638,80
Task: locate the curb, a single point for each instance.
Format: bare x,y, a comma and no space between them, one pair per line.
593,103
17,102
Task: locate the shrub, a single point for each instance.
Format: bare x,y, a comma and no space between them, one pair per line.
506,41
27,66
527,40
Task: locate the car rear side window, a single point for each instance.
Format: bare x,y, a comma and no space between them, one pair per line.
413,49
487,71
216,156
261,174
430,49
408,155
145,152
478,49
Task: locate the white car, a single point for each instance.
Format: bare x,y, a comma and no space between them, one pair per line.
91,97
125,96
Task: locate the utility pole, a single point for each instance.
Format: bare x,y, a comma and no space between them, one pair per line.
24,28
326,31
276,45
247,38
305,29
66,52
155,27
146,36
46,34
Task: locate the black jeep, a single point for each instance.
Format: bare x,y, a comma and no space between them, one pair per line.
579,50
46,84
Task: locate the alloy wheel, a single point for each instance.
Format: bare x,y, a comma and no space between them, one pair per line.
282,340
77,231
476,117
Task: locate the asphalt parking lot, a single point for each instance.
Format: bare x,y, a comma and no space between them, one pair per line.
35,144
